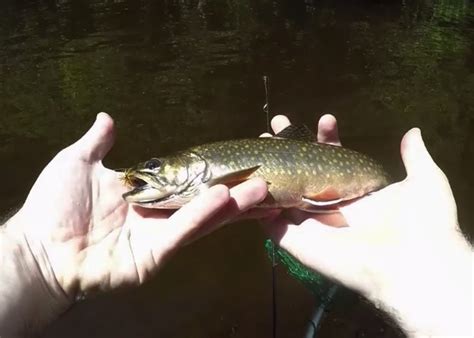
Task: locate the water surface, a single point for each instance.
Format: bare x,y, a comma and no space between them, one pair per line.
176,73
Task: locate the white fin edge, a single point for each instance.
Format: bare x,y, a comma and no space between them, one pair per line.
322,203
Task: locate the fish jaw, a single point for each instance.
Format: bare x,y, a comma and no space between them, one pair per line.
168,202
142,195
155,199
170,188
146,190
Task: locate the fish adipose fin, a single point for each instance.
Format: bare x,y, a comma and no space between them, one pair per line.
234,177
301,133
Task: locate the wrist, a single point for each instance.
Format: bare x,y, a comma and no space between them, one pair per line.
436,299
30,297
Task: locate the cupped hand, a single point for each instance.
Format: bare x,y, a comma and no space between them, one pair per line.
85,237
394,245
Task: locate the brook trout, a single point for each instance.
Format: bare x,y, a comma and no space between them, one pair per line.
300,174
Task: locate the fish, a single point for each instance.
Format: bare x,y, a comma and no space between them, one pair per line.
300,173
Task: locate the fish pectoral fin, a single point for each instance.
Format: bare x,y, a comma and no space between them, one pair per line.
326,197
234,177
301,133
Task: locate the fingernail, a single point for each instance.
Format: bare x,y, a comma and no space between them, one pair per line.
98,115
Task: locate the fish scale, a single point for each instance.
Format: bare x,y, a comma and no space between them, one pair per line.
299,174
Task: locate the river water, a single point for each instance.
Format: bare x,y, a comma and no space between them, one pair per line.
177,73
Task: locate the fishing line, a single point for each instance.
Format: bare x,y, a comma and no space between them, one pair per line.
274,294
266,109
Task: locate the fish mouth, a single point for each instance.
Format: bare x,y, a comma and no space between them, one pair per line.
137,183
145,189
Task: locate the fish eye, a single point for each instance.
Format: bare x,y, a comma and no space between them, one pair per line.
152,164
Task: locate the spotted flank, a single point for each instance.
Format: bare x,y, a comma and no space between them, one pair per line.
300,174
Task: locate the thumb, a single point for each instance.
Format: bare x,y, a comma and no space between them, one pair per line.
422,169
416,159
279,123
98,140
327,130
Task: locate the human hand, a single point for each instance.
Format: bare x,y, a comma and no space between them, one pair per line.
401,247
86,239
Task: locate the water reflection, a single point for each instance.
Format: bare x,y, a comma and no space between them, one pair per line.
165,69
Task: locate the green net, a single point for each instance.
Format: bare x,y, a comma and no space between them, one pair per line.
316,283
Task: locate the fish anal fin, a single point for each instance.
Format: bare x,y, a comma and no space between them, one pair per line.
297,132
233,178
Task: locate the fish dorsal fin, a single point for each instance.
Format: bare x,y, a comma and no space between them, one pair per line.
234,177
301,133
326,197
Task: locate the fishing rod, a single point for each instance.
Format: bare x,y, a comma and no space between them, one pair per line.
321,309
266,109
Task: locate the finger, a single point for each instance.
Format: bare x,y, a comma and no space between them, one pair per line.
327,130
257,213
415,156
151,214
187,220
266,135
98,140
279,123
242,197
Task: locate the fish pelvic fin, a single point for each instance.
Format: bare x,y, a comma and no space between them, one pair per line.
234,177
320,207
328,197
300,133
322,203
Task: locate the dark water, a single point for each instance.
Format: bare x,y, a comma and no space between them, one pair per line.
176,73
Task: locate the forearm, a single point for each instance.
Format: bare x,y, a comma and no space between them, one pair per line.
27,302
440,303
